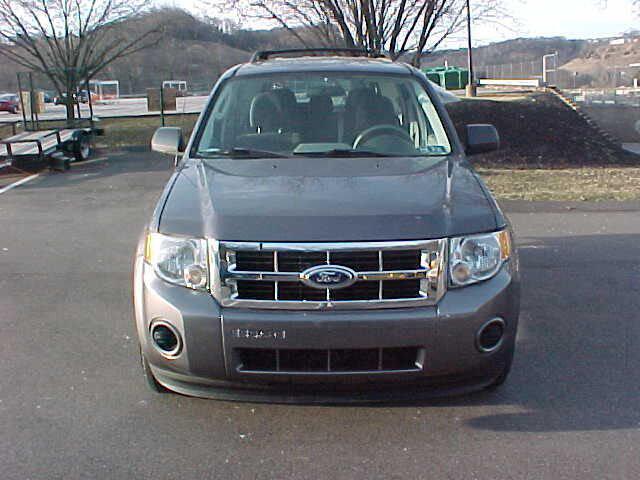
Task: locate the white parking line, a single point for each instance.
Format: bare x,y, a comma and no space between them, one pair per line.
18,183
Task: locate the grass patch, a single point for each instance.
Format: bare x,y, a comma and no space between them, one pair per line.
128,132
124,132
568,184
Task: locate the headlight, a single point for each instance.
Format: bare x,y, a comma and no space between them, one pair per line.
181,261
476,258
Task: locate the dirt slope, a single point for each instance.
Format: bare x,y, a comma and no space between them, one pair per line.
539,131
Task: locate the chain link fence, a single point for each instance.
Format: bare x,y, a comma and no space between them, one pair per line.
547,69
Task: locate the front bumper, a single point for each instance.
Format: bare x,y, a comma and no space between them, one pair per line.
207,366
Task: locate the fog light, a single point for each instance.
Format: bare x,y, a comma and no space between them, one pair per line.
490,335
166,339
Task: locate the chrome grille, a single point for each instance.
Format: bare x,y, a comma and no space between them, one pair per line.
269,275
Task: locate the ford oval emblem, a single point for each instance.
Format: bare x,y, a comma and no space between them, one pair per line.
330,277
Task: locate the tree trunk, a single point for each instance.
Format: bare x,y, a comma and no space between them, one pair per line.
71,114
70,104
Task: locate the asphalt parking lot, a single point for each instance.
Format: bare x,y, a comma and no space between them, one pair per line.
73,404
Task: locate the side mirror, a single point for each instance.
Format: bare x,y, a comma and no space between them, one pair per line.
168,140
482,138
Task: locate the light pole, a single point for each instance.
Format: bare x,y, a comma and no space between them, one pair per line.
471,87
545,66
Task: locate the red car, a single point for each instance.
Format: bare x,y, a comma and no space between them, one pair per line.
9,102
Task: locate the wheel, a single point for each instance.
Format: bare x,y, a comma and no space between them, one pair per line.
82,148
506,369
152,383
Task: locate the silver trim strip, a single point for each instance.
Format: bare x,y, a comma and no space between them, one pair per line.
329,246
168,354
235,275
500,322
342,246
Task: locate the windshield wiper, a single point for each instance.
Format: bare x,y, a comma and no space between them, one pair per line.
343,152
238,152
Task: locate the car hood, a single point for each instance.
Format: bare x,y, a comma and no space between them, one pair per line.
326,199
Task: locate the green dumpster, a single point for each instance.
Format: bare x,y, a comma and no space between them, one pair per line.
451,78
433,76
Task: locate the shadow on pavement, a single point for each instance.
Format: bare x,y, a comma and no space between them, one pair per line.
578,360
105,164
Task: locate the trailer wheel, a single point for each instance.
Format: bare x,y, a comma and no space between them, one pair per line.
82,148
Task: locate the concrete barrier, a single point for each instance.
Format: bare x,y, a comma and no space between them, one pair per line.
504,82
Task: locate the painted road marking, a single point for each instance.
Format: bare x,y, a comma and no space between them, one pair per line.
18,183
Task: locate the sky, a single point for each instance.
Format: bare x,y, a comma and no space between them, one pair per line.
534,18
567,18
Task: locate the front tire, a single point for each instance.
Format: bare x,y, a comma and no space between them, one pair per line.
151,381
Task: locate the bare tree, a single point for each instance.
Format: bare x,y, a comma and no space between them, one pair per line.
70,41
398,27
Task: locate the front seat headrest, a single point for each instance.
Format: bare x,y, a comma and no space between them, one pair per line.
265,114
321,105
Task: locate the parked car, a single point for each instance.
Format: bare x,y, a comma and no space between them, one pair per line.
9,102
62,99
81,96
316,248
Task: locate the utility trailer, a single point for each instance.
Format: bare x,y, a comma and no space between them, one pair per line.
55,148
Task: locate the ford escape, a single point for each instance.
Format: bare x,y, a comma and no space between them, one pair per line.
325,238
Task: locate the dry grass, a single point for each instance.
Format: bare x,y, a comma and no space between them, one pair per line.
570,184
127,132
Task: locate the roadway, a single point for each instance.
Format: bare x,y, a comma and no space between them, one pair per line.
73,404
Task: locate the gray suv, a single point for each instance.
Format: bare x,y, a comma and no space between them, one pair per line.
324,239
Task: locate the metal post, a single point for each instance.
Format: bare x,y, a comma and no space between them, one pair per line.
162,104
78,103
471,88
31,98
545,66
88,87
24,113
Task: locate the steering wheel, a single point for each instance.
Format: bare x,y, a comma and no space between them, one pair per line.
380,130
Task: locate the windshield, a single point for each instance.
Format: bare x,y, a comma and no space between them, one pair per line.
342,114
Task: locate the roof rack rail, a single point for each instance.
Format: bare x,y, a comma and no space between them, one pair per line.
262,55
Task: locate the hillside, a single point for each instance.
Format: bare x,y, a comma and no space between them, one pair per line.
529,132
510,51
607,64
199,49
